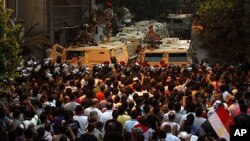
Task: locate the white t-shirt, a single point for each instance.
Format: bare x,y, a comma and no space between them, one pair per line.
25,124
83,122
92,109
106,116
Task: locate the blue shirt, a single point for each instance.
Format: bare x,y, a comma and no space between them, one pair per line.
130,124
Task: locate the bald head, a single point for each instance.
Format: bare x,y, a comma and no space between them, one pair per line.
94,102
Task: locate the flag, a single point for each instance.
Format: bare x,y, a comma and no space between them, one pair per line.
220,120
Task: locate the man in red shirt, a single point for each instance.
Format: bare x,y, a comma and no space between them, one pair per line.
100,94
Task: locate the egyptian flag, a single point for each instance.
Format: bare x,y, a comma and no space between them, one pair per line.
221,121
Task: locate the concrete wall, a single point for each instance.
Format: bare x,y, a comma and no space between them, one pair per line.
36,15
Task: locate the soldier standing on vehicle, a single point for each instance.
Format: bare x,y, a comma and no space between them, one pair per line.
84,36
93,24
152,38
109,13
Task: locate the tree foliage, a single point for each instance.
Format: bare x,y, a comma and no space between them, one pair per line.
149,9
9,48
225,27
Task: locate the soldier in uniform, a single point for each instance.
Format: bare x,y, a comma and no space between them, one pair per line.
84,36
93,24
109,13
152,38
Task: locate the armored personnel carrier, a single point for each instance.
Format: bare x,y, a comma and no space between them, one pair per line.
171,51
92,55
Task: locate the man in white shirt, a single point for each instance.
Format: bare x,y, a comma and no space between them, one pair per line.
199,120
191,110
178,115
51,102
171,109
82,120
107,114
93,108
171,122
71,106
170,136
30,119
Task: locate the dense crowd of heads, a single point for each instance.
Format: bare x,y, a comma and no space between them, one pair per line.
56,101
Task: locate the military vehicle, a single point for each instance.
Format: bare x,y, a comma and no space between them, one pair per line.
92,55
137,32
159,27
122,47
141,28
171,51
179,25
135,39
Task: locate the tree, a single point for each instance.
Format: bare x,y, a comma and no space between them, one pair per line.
174,6
9,49
224,28
189,6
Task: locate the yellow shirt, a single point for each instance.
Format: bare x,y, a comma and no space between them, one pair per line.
123,118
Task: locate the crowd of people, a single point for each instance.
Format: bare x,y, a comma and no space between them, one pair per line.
125,102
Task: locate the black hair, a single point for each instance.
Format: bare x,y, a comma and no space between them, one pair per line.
28,133
78,109
133,114
146,108
115,113
40,131
19,131
109,105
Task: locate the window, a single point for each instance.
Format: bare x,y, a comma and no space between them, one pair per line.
168,20
74,54
118,51
153,57
177,57
131,51
17,7
121,34
178,21
59,50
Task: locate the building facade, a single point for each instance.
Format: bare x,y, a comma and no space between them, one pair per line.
54,18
